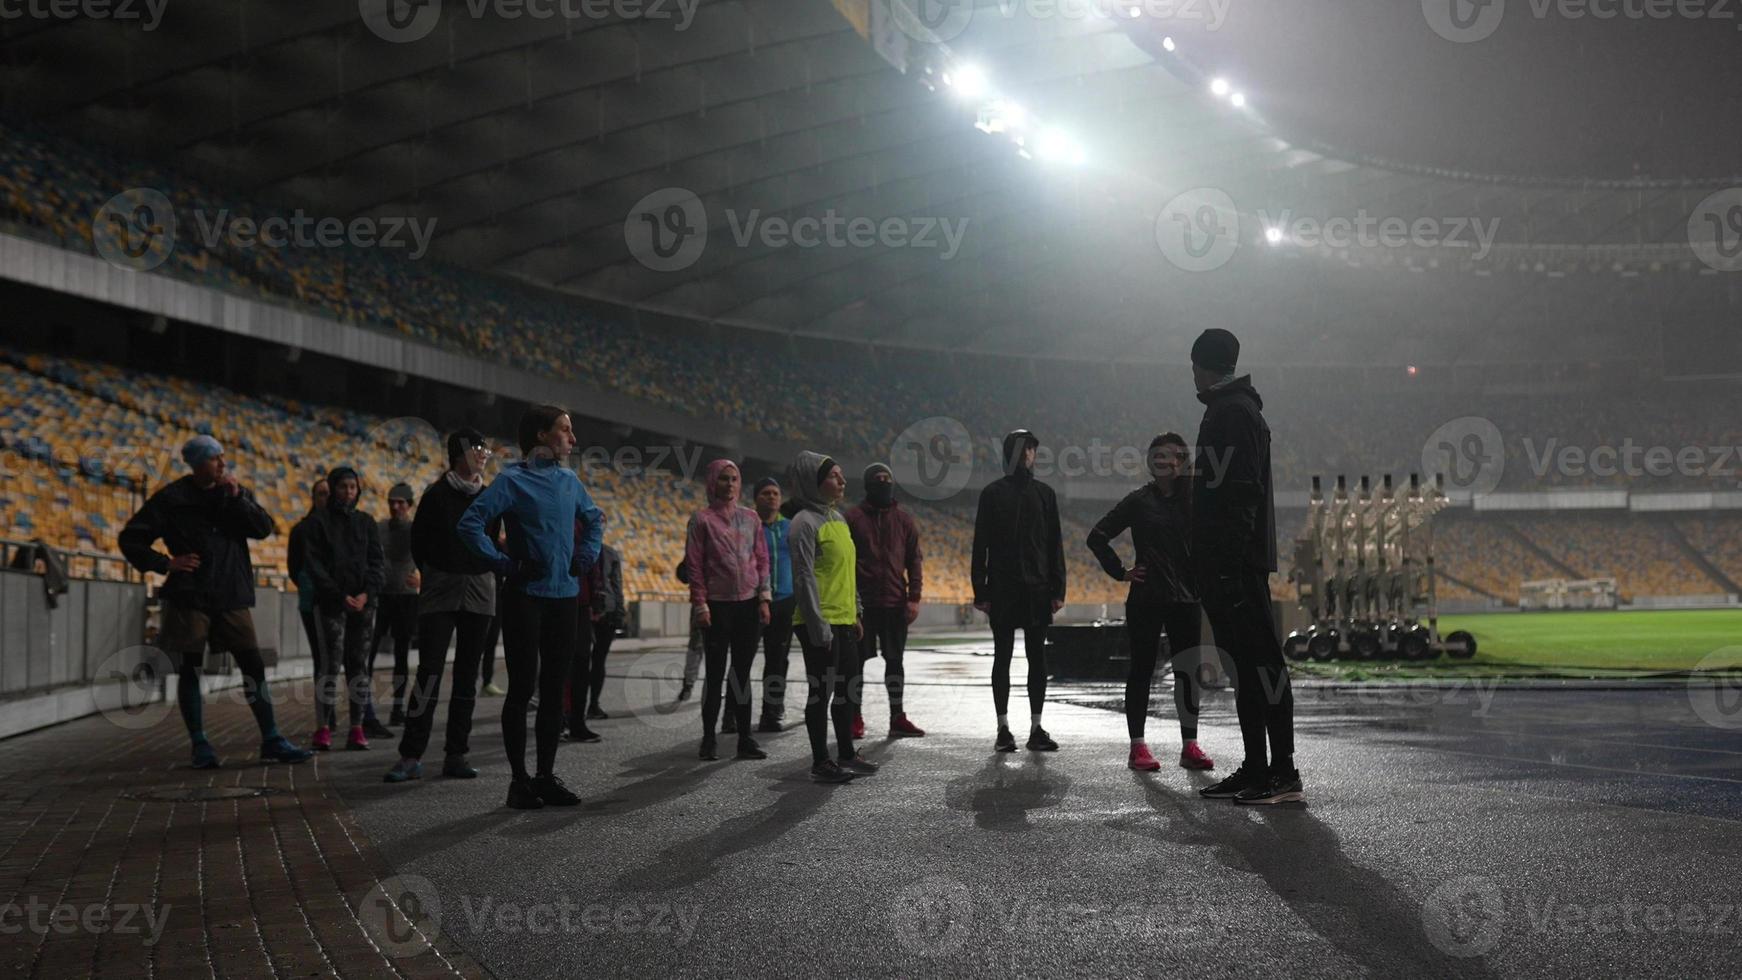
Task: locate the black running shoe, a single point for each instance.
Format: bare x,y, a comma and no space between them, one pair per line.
748,749
551,790
1006,741
1040,741
521,795
708,752
858,765
1281,787
594,714
1237,782
373,728
683,693
828,771
456,767
729,724
770,724
583,734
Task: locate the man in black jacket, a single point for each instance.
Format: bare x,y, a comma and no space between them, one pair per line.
342,554
1018,574
456,598
396,608
205,519
1234,551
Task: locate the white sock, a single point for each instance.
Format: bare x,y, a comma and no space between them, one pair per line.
1003,722
1035,719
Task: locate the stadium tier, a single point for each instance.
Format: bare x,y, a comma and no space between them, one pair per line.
857,402
75,432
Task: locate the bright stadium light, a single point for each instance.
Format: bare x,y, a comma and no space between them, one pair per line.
1056,145
969,81
1167,43
1239,100
1273,236
1219,86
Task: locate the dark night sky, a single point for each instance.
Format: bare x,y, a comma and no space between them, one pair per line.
1539,96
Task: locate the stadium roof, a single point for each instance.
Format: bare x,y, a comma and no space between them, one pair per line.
531,141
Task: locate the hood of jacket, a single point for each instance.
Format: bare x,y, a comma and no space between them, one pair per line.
336,474
713,473
805,488
1240,387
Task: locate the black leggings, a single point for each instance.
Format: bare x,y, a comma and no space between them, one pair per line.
1238,606
736,628
539,634
1143,625
776,648
886,634
434,630
835,675
587,674
1004,648
254,690
397,614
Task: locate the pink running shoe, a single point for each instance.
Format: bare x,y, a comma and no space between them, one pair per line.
1192,757
358,741
323,739
1140,759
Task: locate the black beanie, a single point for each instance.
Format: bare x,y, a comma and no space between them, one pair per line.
1216,350
766,482
1015,442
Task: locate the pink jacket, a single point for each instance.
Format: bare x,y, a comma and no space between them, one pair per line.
725,550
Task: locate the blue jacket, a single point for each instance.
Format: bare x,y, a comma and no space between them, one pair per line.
539,500
779,558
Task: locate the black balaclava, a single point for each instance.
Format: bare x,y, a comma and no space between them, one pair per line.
879,493
336,474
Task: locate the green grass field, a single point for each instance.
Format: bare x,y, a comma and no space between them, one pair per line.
1669,639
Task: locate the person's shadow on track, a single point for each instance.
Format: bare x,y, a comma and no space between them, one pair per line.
1301,860
1003,792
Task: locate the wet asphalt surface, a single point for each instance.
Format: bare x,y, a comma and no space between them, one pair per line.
1473,831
